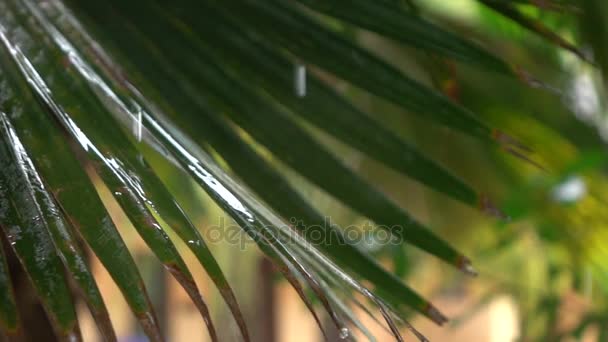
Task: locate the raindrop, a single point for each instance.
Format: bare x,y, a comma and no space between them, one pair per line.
344,333
300,80
137,126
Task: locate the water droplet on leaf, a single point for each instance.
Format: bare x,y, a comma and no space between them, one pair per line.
344,333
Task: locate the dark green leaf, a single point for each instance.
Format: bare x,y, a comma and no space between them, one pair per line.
255,61
387,20
535,26
61,235
9,318
74,192
121,178
311,42
163,202
595,30
222,196
288,141
26,229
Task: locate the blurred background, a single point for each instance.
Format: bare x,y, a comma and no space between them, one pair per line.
542,271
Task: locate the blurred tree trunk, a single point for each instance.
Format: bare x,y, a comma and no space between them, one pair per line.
266,303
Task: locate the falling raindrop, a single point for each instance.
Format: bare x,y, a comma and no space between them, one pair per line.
137,126
300,80
344,333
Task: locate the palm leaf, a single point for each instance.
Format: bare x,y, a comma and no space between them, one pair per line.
28,213
77,78
536,26
8,308
74,192
384,18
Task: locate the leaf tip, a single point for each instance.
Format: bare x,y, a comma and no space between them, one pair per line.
150,325
434,314
487,206
515,147
532,81
465,265
503,139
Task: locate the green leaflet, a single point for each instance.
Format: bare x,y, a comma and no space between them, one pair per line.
26,229
595,30
60,232
322,106
64,240
290,266
202,176
259,223
154,71
384,19
311,42
108,158
282,266
296,148
163,201
548,5
245,162
73,191
9,318
253,226
535,26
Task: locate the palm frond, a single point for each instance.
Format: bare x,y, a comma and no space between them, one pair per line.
95,83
